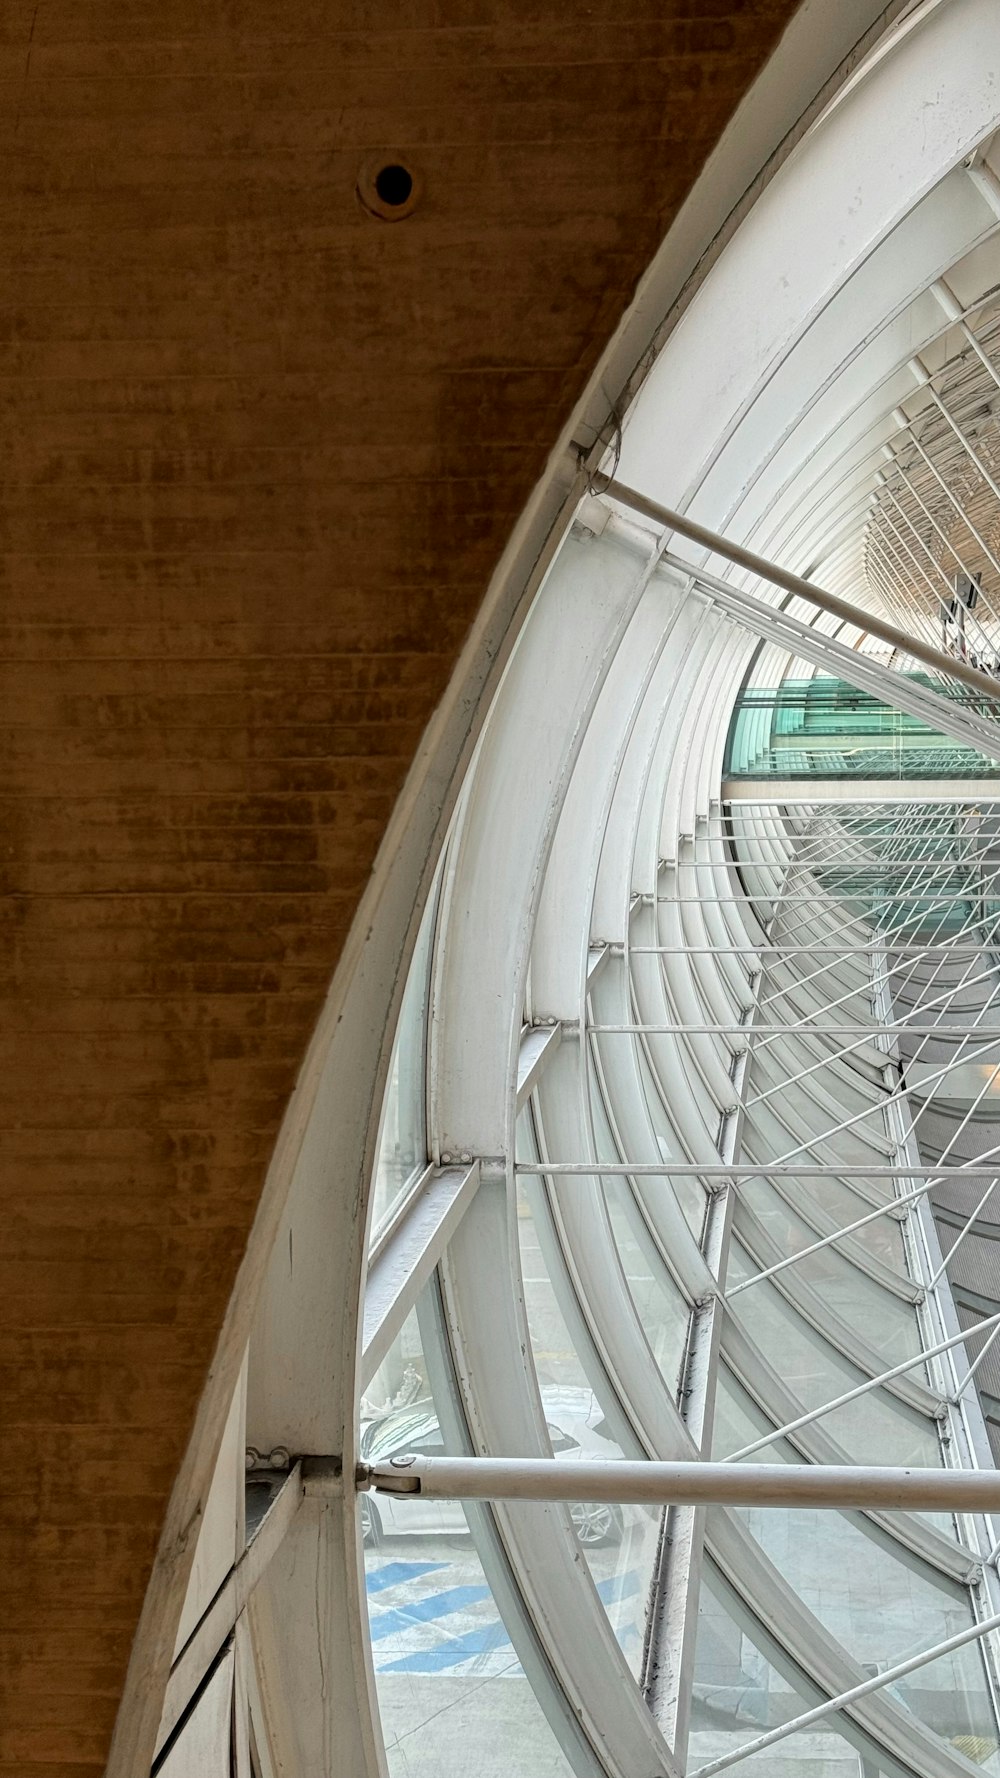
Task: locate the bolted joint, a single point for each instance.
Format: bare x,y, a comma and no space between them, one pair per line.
396,1477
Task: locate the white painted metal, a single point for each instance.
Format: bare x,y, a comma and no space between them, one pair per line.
537,1047
488,908
736,553
224,1612
202,1748
690,1483
407,1255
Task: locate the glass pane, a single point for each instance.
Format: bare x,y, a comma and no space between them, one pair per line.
890,1323
402,1148
661,1307
875,1428
619,1542
689,1192
659,1304
824,728
738,1694
880,1601
452,1695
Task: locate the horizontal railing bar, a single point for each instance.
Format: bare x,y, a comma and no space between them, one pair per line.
816,809
718,1170
878,866
976,892
940,952
801,1029
691,1483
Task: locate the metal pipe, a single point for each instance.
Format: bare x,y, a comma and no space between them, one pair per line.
941,951
838,1487
803,589
767,1170
803,1028
931,897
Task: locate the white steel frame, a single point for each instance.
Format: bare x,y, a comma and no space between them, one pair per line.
596,889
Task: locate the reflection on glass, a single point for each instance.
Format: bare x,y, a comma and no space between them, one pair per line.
874,1428
453,1698
880,1601
402,1146
690,1194
737,1694
659,1303
825,728
619,1542
889,1320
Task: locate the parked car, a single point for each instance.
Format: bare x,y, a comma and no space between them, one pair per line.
576,1428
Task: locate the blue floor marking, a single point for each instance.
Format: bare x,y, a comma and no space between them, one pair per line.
620,1586
424,1611
390,1574
452,1651
451,1654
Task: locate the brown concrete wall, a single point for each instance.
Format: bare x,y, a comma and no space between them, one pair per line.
259,454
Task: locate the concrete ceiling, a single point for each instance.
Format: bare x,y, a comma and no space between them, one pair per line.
260,453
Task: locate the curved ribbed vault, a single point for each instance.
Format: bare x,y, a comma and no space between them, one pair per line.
680,1037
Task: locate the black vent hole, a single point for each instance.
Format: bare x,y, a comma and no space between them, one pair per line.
394,185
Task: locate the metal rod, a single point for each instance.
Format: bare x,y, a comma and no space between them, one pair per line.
837,1487
773,1169
892,790
899,1671
802,1027
933,895
804,589
941,950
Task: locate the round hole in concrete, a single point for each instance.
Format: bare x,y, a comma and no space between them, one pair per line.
389,188
394,184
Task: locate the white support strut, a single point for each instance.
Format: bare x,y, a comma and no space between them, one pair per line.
839,1487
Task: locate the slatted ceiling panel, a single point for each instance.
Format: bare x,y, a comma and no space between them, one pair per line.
970,394
260,455
976,1266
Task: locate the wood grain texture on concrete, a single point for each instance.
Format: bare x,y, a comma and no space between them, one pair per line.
259,454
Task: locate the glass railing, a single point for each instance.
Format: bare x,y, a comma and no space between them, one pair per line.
826,728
